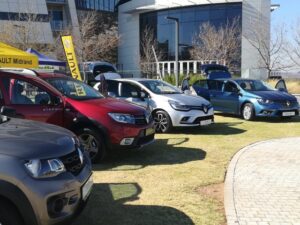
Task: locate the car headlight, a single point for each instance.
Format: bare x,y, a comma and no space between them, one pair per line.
45,168
122,118
264,101
178,106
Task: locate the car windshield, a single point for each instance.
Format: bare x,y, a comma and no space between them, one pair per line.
74,89
254,85
160,87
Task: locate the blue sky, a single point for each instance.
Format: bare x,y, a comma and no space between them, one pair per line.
288,13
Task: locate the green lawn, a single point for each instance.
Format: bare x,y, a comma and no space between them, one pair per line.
163,184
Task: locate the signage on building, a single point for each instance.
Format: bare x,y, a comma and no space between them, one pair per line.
71,57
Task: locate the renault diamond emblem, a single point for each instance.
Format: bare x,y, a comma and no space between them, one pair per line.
205,109
288,103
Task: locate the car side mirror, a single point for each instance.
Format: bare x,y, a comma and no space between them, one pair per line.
111,94
56,100
7,111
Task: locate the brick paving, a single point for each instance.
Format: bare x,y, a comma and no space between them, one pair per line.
262,185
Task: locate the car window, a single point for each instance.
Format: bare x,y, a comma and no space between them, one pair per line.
230,87
202,84
103,69
160,87
254,85
113,86
74,89
24,93
215,85
130,90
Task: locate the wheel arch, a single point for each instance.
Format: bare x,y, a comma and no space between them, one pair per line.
242,106
91,124
160,109
14,196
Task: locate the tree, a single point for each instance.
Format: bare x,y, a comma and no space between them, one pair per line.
24,32
148,46
293,47
218,43
97,40
271,50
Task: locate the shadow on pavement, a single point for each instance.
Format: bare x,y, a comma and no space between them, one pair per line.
107,206
162,152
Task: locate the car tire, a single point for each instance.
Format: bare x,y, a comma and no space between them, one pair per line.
93,143
162,122
248,112
9,215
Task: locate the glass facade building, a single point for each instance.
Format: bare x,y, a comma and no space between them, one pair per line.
190,19
99,5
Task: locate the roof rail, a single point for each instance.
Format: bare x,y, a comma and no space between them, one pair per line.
20,71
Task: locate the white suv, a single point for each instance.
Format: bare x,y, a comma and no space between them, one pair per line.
169,106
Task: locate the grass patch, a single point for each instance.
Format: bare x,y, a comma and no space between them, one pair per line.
173,182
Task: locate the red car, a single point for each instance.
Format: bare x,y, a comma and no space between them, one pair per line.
101,123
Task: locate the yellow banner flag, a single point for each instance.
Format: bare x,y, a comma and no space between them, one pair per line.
71,57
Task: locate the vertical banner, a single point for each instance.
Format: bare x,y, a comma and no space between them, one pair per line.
71,57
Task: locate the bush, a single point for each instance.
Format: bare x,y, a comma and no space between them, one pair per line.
170,78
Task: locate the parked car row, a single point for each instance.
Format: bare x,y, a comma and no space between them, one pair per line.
45,170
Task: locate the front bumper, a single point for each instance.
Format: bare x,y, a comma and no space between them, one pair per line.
191,118
264,111
65,188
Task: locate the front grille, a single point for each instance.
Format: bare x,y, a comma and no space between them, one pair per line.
197,120
145,139
201,108
72,162
287,104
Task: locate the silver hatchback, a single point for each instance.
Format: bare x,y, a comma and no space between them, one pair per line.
170,107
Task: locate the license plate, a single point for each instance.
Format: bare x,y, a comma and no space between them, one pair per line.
205,122
288,114
87,188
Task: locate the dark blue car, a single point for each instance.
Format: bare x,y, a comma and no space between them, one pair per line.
248,98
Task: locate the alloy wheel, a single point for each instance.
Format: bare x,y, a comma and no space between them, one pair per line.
247,112
90,144
160,122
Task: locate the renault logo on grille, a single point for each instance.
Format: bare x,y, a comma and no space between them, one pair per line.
205,109
288,103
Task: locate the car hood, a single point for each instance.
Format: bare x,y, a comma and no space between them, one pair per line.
108,105
187,99
274,95
27,139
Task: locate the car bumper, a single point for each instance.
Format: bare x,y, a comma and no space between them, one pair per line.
191,118
132,136
66,189
277,112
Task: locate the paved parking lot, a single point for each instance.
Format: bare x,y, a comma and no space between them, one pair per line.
262,184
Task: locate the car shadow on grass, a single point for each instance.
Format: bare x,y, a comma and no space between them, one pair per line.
295,119
108,205
213,129
161,152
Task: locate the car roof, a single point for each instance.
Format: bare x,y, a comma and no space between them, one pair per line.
135,79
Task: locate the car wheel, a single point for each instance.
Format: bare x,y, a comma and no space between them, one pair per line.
9,215
248,112
93,143
162,122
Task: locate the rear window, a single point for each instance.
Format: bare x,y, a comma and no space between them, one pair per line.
215,85
103,69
